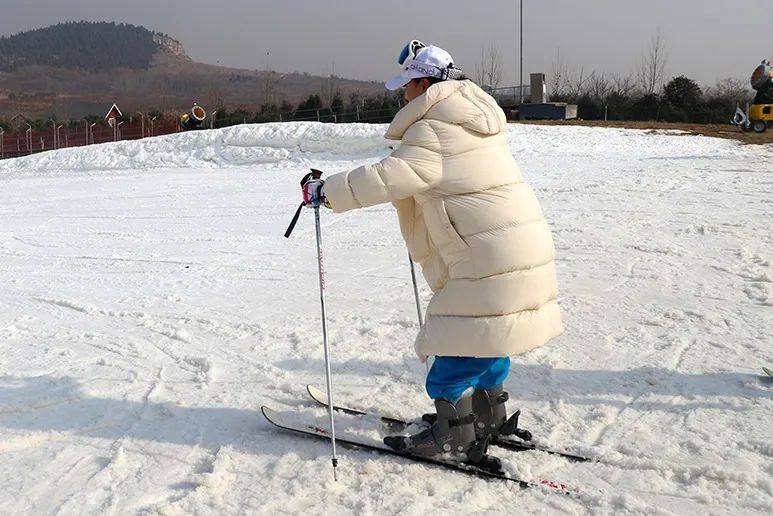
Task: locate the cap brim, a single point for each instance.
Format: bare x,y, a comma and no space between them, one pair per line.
397,82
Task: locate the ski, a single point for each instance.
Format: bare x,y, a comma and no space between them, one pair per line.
398,425
344,438
767,372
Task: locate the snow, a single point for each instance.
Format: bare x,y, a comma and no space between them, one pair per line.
149,306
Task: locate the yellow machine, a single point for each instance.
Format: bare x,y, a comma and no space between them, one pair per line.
760,115
194,119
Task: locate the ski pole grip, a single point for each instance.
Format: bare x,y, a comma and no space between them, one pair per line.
314,175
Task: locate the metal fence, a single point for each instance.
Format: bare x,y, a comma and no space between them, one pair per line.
30,140
58,136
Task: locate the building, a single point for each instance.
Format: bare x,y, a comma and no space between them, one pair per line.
112,114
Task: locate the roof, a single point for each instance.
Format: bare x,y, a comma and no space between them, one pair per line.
112,107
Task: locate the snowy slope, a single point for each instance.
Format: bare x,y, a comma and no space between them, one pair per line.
149,305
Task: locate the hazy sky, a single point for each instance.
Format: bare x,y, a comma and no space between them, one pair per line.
706,39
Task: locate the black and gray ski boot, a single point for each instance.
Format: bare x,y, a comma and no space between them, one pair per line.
491,415
451,432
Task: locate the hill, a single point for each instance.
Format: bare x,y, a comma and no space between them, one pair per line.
69,71
89,46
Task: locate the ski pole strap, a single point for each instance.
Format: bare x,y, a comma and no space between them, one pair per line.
294,221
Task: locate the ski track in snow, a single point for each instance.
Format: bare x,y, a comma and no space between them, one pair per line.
150,306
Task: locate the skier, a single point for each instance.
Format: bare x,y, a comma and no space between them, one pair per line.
478,232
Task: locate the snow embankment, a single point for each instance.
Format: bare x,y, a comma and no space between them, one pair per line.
293,142
302,143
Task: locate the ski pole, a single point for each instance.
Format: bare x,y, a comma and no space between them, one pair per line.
328,375
312,199
418,302
416,292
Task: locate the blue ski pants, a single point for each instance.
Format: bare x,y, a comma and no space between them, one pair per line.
449,377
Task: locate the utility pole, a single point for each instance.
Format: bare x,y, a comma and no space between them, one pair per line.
520,88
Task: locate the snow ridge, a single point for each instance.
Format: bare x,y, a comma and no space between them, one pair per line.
251,144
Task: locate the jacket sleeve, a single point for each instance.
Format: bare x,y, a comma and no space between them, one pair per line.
412,168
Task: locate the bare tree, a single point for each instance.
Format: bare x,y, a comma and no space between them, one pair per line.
729,92
598,86
623,86
576,83
212,98
488,73
653,64
559,75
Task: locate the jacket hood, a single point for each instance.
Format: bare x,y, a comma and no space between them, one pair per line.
455,102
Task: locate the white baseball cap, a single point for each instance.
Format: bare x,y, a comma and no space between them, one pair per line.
419,61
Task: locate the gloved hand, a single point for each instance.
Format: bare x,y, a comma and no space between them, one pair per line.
313,194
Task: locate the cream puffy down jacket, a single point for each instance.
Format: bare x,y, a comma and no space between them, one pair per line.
469,219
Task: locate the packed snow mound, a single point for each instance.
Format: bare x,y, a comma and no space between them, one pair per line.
292,142
302,143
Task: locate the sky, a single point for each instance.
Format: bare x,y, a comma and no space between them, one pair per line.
705,39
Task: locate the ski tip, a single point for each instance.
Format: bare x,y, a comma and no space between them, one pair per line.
317,394
768,371
268,413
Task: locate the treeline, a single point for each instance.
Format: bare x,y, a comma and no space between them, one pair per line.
681,99
356,108
91,46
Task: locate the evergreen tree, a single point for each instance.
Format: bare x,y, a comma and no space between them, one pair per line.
91,46
337,104
683,93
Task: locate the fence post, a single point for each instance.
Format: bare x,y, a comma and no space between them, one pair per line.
318,115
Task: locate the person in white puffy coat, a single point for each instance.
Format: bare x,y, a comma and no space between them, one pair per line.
478,232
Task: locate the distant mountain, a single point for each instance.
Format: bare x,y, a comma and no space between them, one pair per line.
86,46
71,69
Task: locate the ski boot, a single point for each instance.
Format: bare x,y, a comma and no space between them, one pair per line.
491,415
452,431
